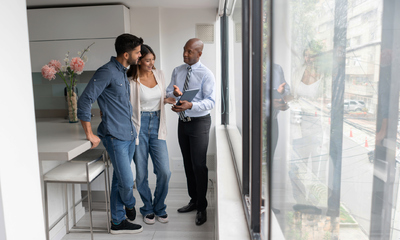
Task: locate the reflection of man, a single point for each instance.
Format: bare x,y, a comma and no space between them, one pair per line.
281,90
280,94
384,95
110,86
194,123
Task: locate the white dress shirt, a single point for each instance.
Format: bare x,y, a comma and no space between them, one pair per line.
200,78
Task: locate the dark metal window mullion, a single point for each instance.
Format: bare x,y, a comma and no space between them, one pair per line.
224,68
246,96
256,118
269,112
384,180
336,134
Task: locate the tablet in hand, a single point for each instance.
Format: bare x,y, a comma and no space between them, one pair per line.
188,95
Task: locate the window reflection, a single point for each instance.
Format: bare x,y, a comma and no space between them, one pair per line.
237,64
340,140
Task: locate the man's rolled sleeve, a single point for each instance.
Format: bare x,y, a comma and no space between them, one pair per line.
95,87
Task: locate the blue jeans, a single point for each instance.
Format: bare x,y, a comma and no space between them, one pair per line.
121,154
150,144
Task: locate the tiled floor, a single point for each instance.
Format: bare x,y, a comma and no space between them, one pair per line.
181,226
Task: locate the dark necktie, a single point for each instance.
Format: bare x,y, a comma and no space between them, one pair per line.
182,114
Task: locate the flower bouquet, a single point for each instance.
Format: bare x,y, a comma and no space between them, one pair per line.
68,73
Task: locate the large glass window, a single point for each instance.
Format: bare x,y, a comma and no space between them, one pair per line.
334,97
319,117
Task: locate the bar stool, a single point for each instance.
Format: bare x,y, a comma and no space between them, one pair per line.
83,169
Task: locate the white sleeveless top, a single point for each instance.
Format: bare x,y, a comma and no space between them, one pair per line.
305,91
308,91
149,98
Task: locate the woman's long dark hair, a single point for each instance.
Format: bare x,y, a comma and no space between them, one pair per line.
134,68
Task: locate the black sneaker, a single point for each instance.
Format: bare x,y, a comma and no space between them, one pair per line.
125,227
149,218
163,218
130,214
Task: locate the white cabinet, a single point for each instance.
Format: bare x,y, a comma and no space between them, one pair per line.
55,31
99,54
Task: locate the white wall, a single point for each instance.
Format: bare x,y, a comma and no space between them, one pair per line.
166,31
178,26
19,172
2,221
145,23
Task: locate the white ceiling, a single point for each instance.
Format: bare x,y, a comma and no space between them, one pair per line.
128,3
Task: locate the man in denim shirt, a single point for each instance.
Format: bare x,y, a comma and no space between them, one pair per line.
110,87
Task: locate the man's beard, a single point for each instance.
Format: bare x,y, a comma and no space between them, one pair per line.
131,61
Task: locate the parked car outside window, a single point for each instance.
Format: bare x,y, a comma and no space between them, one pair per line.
351,105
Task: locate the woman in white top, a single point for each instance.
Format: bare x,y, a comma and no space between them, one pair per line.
148,98
308,86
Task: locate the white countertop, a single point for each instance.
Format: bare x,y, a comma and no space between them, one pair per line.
60,140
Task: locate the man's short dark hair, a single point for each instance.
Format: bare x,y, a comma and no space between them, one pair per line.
126,42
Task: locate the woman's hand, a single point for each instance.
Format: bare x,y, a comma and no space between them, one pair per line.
169,100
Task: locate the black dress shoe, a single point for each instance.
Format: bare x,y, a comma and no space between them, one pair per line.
201,217
188,208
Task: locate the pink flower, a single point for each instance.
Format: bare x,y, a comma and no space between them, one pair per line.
55,64
77,65
49,72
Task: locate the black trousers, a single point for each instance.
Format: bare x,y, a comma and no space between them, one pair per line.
274,137
193,139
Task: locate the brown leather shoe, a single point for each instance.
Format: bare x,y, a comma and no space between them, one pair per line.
188,208
201,217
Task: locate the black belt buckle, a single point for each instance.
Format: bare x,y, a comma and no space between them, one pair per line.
186,119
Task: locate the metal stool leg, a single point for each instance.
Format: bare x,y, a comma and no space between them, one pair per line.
106,192
73,205
46,204
108,174
108,185
66,208
89,201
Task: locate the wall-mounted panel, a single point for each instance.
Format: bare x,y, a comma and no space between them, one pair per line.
51,24
99,54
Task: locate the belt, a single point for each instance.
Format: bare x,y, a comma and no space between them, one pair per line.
190,119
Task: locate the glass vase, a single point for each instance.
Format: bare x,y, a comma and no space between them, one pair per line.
72,102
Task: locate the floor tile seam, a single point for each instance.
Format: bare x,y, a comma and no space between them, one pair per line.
154,234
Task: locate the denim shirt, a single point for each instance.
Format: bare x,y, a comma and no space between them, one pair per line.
110,87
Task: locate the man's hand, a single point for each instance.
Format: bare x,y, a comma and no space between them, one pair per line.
95,140
184,106
280,105
169,100
382,132
281,88
87,127
177,92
